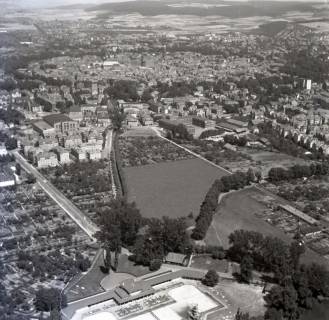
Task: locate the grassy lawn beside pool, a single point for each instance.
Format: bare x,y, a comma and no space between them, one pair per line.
89,283
171,189
207,263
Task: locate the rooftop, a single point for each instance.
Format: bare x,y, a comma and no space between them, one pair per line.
56,118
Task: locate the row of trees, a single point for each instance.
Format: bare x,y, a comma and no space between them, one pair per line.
298,171
234,181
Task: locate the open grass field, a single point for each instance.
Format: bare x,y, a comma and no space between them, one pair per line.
171,189
237,211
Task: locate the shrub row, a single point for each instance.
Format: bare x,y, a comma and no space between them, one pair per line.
235,181
298,171
118,174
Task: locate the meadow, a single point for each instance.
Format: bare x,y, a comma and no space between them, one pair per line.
238,210
173,189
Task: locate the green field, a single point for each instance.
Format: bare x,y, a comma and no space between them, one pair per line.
171,189
237,211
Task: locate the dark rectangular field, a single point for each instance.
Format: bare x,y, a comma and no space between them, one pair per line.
171,189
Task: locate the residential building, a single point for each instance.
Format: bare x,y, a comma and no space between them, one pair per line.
61,123
75,113
79,154
46,159
63,155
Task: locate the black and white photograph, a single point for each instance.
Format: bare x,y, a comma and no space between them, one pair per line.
164,159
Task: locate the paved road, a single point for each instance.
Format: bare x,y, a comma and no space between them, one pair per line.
75,214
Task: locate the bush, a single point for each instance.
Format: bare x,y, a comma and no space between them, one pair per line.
155,264
211,278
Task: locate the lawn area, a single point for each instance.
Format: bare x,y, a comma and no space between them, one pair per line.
89,284
207,263
237,211
114,279
171,189
125,266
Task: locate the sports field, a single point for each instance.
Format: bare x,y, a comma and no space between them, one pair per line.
171,189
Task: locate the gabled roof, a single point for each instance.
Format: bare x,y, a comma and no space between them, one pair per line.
177,258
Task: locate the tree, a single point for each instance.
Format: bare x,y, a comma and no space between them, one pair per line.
48,299
30,178
273,314
211,278
258,175
11,144
18,169
301,283
251,175
155,264
119,224
194,313
297,248
117,116
242,316
283,299
246,267
150,246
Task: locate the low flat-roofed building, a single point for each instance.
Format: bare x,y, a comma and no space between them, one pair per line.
299,214
231,127
176,258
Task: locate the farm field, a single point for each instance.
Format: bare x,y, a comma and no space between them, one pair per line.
171,189
238,211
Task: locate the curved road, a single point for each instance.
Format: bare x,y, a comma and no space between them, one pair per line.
73,212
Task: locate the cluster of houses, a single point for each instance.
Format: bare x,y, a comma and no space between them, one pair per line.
57,139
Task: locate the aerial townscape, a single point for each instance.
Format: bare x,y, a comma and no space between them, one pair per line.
164,160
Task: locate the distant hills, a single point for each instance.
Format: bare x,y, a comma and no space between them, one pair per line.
228,9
